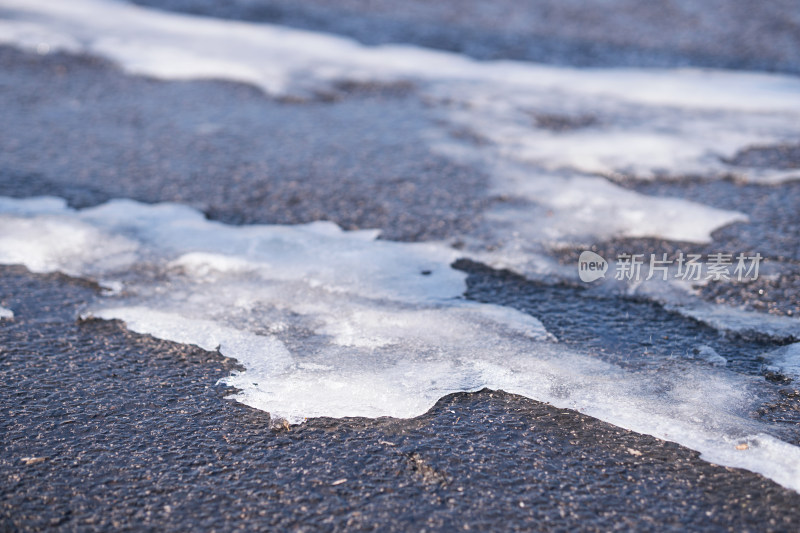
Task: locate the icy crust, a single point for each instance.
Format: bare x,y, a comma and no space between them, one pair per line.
680,296
748,324
617,138
548,131
334,323
542,210
172,45
785,360
644,123
359,304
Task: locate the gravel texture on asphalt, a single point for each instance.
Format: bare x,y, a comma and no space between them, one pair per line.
105,429
101,428
79,128
772,230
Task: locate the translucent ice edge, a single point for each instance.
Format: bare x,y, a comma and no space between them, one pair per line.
644,123
549,209
785,360
746,323
334,323
674,294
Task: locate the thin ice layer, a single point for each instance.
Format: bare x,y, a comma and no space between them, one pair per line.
644,123
333,323
785,360
742,322
547,209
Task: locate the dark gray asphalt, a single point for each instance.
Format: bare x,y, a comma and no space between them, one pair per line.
134,437
773,230
78,128
742,34
132,431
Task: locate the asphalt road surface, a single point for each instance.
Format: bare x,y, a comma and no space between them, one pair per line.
101,428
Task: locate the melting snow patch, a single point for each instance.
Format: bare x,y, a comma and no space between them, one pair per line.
639,122
335,323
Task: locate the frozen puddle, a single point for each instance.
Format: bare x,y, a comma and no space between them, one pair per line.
334,323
